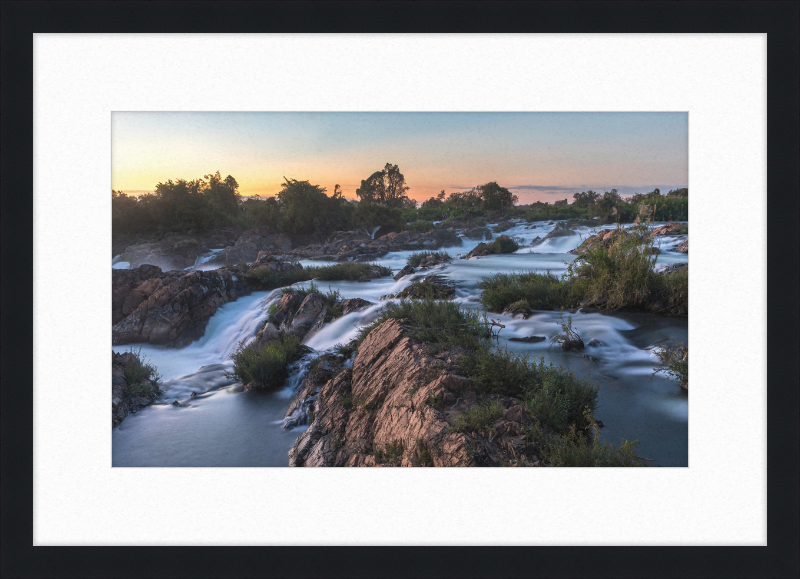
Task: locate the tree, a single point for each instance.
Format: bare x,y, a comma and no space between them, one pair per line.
495,197
307,210
387,187
585,198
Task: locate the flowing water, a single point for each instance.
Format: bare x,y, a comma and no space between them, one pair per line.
219,425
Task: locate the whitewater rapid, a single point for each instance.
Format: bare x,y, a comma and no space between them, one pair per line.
222,426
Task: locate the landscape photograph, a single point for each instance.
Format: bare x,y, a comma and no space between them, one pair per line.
399,289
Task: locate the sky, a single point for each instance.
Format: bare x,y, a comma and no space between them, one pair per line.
538,156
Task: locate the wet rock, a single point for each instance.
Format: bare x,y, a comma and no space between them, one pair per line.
590,358
353,305
478,233
560,232
594,343
504,226
683,247
431,287
266,259
528,339
175,307
407,270
603,238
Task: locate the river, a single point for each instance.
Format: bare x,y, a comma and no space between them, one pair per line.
222,426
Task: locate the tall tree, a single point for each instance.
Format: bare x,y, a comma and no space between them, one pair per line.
387,187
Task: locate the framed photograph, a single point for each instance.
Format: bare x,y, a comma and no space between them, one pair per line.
343,235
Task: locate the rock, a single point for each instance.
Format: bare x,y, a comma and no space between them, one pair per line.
307,314
478,233
668,229
431,287
560,232
529,339
124,400
251,244
392,409
504,226
594,343
603,238
174,307
683,247
125,282
407,270
266,259
287,306
353,305
590,358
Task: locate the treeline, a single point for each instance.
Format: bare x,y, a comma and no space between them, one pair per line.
301,208
608,207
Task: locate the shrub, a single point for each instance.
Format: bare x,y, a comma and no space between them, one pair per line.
392,455
567,337
575,448
675,363
437,256
478,417
348,270
425,290
138,370
541,291
423,226
503,244
423,454
264,367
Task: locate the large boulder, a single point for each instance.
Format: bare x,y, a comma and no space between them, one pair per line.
311,310
407,270
287,306
396,406
175,308
668,229
125,295
683,247
128,398
250,245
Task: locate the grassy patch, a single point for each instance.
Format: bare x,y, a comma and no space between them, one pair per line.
423,454
478,417
541,291
567,338
265,367
348,270
439,322
437,256
138,389
424,290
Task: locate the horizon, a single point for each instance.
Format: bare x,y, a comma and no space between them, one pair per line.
537,156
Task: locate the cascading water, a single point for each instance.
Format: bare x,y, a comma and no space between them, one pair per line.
219,425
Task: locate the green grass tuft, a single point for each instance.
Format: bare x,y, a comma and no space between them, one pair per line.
264,367
478,417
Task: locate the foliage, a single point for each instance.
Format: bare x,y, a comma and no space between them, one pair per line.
439,322
423,454
264,367
503,244
367,216
386,187
674,363
567,338
138,370
392,454
424,290
478,417
438,256
422,226
347,270
541,291
577,448
307,210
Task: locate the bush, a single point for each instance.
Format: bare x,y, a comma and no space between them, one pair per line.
575,448
264,367
392,455
348,270
423,226
567,338
503,244
540,291
138,370
478,417
438,256
675,363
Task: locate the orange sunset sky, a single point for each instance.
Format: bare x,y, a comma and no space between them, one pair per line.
539,156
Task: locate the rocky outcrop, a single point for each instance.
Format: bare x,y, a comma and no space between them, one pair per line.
128,398
603,238
407,270
560,232
675,268
431,287
349,245
354,305
668,229
171,308
125,293
396,407
253,244
310,315
478,233
173,250
683,247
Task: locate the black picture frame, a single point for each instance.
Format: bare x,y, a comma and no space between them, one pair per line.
778,19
